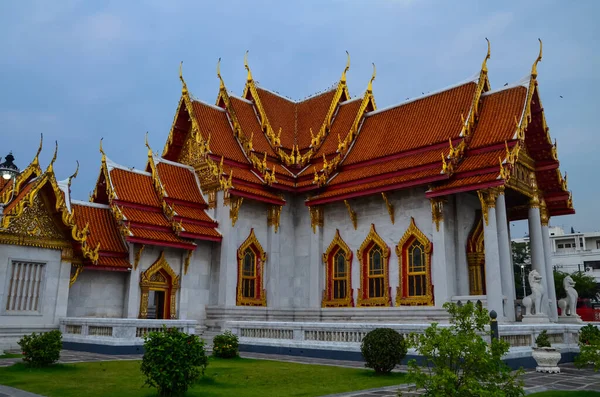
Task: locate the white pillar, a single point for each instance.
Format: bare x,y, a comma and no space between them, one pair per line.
62,294
272,270
443,268
552,302
229,246
538,260
493,283
316,266
504,251
133,293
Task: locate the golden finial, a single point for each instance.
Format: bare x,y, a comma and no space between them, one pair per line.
50,166
222,84
370,86
40,147
74,175
148,146
343,79
484,64
539,58
221,165
249,78
184,89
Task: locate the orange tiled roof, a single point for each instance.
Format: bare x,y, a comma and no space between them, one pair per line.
419,123
341,125
157,235
468,181
497,115
213,121
110,261
380,185
478,161
103,227
281,113
191,213
311,114
180,182
251,126
255,190
19,197
155,218
199,229
400,164
134,187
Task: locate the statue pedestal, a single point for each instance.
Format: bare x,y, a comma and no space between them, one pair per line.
570,319
535,319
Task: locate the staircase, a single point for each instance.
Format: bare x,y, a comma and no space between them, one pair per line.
207,335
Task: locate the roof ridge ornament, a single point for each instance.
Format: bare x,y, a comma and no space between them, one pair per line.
184,89
37,154
538,59
74,175
343,78
249,78
487,56
370,86
222,84
51,165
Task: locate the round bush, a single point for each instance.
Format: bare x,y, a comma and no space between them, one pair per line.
588,333
40,350
383,349
225,345
172,361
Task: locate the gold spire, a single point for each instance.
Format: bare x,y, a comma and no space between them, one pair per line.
249,78
36,159
487,56
102,151
539,58
148,146
74,175
222,84
51,165
184,89
343,79
370,86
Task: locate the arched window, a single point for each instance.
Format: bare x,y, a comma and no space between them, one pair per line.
374,257
251,261
338,278
414,260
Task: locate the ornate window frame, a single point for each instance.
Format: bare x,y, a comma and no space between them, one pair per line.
476,257
363,292
260,298
402,250
148,282
337,245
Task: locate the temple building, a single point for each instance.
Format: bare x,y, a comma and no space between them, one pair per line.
266,209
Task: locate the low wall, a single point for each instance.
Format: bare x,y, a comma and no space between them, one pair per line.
342,340
114,335
10,335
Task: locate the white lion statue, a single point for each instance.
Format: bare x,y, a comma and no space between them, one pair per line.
568,305
534,301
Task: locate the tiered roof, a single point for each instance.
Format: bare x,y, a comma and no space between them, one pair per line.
336,148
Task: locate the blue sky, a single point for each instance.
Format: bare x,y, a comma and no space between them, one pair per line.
79,70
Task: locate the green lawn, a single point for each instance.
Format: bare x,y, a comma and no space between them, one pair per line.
237,377
567,394
9,355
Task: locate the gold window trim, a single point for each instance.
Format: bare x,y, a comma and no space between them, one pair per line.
337,244
411,234
261,260
374,239
147,284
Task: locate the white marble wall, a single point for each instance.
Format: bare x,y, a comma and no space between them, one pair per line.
98,294
372,209
466,205
195,285
55,285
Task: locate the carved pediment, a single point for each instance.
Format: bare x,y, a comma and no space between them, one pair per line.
36,221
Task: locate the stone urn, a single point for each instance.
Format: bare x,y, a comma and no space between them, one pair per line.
547,359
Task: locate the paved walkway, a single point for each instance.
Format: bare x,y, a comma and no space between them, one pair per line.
570,378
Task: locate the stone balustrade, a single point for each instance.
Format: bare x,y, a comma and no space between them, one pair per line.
116,331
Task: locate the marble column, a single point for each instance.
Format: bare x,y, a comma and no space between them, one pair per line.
443,270
504,251
552,302
62,295
272,268
316,266
538,260
493,277
229,246
133,293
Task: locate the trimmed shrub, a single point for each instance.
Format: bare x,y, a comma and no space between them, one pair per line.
589,347
383,349
542,340
172,361
226,345
40,350
588,334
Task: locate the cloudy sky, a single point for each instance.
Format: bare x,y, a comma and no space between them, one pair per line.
78,70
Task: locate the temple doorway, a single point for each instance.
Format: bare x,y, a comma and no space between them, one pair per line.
476,257
157,309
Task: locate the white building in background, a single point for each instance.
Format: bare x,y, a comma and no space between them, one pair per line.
572,252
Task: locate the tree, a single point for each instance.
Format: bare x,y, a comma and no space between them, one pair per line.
584,284
459,361
521,255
